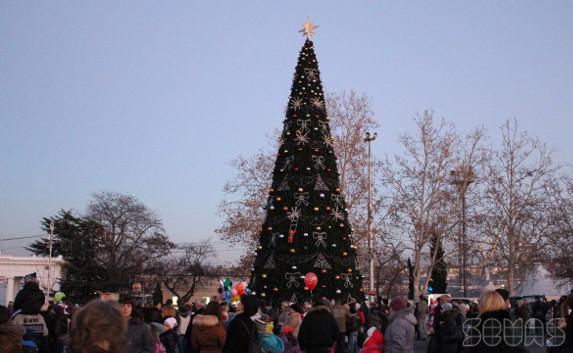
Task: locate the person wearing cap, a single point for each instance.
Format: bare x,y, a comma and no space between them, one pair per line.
138,335
242,329
399,337
319,330
169,338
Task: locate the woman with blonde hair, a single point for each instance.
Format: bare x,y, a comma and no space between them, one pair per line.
493,310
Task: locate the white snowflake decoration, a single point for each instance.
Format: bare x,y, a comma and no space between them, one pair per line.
337,214
294,214
317,103
301,138
296,103
328,141
303,124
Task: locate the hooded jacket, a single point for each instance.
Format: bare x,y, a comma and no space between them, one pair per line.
318,331
399,336
208,334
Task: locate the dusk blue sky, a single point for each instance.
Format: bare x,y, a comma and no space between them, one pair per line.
155,98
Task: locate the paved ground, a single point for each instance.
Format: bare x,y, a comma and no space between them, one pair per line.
421,347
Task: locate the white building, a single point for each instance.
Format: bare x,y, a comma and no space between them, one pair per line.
14,268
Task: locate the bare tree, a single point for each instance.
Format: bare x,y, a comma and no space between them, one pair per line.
558,245
182,274
132,236
242,210
420,200
515,203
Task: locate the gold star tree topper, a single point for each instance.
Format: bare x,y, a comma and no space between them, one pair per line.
308,28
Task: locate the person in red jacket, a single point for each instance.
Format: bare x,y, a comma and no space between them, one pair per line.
374,341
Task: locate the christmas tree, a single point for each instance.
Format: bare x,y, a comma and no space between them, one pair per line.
306,228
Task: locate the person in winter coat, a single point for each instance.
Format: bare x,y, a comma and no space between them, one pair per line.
319,330
30,299
138,335
169,338
375,318
209,331
374,341
294,318
399,336
242,329
450,333
341,314
268,342
98,327
493,306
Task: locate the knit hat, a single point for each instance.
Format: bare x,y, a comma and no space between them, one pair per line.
250,304
171,322
30,277
398,303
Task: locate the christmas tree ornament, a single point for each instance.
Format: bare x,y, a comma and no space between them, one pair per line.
319,239
270,262
310,280
320,184
321,262
292,279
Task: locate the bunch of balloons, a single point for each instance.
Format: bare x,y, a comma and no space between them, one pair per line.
232,294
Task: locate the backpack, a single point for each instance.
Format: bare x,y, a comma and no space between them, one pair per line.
254,345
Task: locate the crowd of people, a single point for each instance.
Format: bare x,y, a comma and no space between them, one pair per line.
320,326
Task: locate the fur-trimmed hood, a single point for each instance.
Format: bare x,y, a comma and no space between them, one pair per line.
205,320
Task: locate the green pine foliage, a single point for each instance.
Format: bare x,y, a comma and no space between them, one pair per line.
306,228
439,277
74,240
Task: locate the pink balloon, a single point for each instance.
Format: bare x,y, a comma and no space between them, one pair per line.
233,292
310,280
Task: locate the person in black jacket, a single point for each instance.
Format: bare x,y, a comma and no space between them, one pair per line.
242,329
169,338
30,299
319,330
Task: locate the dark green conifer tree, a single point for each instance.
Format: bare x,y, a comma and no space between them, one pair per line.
306,227
439,277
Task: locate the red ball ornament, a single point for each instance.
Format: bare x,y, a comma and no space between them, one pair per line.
310,280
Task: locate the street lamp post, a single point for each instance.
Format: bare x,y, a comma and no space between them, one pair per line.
368,139
49,285
462,177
